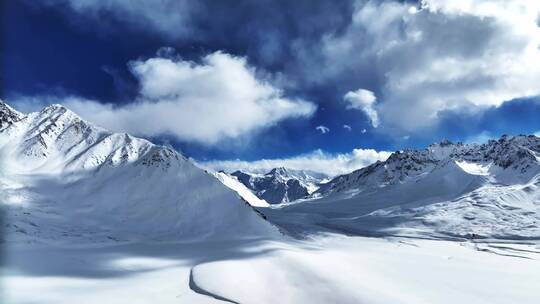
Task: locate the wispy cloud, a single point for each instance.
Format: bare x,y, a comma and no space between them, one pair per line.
172,18
322,129
479,138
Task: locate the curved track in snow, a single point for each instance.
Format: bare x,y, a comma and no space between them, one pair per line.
196,288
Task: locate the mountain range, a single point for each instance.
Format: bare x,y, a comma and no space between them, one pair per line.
63,178
89,215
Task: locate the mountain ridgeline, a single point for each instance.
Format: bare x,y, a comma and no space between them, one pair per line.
508,159
63,179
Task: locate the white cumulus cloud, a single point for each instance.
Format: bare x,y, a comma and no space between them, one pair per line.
317,161
440,56
217,99
363,100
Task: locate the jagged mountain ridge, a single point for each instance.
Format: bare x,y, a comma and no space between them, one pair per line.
518,153
56,139
280,185
64,179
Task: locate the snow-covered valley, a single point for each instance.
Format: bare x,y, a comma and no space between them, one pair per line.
91,216
331,269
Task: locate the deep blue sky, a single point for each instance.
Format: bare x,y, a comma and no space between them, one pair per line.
50,50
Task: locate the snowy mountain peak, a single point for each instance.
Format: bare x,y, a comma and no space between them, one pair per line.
57,139
280,171
54,107
8,115
445,143
280,185
444,149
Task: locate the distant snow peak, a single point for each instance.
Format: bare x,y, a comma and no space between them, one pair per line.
280,185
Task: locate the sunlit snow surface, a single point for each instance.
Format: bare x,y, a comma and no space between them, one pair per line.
473,168
243,191
91,216
332,269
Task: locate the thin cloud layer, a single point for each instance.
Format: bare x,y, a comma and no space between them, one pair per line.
317,161
172,18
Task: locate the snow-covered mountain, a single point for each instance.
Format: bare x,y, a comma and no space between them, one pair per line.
62,178
507,160
281,185
446,190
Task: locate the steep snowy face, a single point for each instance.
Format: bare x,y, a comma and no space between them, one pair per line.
280,185
8,115
244,192
62,178
507,160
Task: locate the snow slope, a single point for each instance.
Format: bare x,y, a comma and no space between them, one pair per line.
65,180
363,270
241,189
